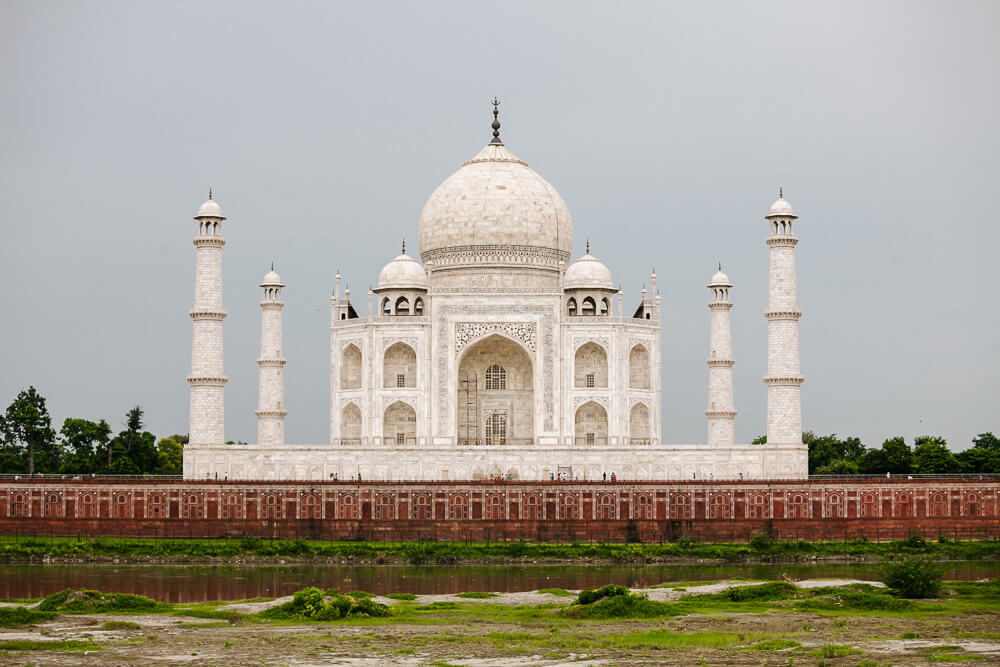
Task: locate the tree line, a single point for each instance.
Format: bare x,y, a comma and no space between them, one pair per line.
30,445
929,455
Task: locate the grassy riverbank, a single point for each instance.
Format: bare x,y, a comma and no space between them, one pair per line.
760,549
821,623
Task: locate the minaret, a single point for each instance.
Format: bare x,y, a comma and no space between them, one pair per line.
784,404
721,411
207,379
270,391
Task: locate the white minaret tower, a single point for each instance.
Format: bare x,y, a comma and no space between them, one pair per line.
270,392
721,411
784,403
207,379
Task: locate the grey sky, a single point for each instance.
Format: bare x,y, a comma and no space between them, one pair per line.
667,128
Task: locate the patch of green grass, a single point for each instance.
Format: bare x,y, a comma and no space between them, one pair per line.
476,595
558,592
10,617
435,606
401,596
908,635
120,625
69,645
835,651
634,605
952,657
404,651
774,645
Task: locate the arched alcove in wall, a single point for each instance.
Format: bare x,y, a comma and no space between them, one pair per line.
399,367
495,392
638,422
590,368
638,367
399,425
591,424
350,368
350,422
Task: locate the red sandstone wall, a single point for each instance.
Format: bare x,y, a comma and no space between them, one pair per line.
640,511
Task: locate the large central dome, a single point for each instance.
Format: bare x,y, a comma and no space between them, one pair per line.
497,209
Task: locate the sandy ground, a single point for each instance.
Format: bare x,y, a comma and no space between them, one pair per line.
163,640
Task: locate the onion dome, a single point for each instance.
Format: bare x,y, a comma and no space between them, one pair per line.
403,272
495,199
272,279
210,209
781,208
588,272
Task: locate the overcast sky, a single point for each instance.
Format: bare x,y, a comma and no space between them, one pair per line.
667,128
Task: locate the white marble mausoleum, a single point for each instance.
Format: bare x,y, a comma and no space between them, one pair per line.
496,353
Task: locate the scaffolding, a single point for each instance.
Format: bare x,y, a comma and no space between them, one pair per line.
469,390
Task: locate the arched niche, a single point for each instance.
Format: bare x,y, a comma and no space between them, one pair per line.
638,423
590,367
506,399
399,425
399,366
350,368
638,367
350,422
591,424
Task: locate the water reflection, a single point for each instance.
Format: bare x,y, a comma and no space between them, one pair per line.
200,583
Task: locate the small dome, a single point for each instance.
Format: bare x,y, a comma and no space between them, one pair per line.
403,272
588,272
782,208
720,279
210,209
272,279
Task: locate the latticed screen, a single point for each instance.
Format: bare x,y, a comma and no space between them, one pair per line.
496,377
496,429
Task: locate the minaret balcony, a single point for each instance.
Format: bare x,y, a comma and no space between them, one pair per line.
271,413
721,362
207,382
271,363
782,240
728,414
208,241
783,314
207,314
784,381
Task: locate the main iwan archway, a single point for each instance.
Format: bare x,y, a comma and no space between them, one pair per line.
495,401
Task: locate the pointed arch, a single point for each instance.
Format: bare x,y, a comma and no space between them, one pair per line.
399,366
402,306
350,367
418,306
571,307
588,306
590,367
399,424
350,423
638,367
591,424
638,424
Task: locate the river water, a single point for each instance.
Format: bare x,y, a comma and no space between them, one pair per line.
198,583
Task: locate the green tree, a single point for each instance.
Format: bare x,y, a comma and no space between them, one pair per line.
28,435
134,444
82,442
873,462
931,456
982,457
826,449
170,456
759,440
837,467
898,456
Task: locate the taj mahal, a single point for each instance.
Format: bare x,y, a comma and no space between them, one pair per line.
495,354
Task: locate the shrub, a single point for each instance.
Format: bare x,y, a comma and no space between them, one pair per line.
775,590
401,596
95,602
762,542
629,605
313,604
588,596
913,576
11,616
